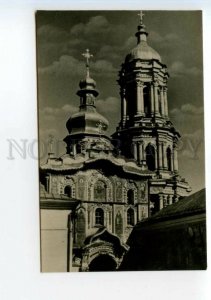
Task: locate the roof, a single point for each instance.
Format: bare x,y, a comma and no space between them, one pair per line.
143,51
56,201
67,163
192,204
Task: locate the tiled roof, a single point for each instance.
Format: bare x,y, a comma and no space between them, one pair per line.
192,204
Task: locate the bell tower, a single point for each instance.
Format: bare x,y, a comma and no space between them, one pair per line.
143,82
145,133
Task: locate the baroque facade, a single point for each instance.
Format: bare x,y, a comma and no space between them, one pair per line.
92,196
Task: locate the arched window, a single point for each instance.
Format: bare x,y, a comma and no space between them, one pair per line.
68,191
150,157
146,101
130,197
168,155
99,217
130,217
100,191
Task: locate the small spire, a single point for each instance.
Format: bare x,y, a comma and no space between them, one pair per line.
50,143
141,14
87,56
141,34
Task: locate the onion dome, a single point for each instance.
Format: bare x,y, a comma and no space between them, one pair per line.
142,51
87,120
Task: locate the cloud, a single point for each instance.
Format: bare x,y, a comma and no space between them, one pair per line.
64,66
188,119
49,33
111,52
96,25
188,108
98,34
164,39
52,123
178,68
109,105
53,113
191,145
68,65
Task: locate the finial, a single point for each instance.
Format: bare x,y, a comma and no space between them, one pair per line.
141,14
100,127
141,34
50,143
87,56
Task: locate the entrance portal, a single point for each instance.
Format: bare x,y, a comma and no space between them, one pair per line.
102,263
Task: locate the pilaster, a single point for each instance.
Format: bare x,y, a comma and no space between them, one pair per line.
123,105
135,154
140,152
152,104
175,159
162,101
160,158
165,100
161,201
140,98
165,202
156,98
164,156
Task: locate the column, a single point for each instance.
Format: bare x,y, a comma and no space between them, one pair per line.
175,159
135,150
164,155
156,158
143,153
165,202
170,199
160,156
172,161
162,102
123,105
140,153
165,100
74,149
140,98
152,104
160,202
124,108
156,99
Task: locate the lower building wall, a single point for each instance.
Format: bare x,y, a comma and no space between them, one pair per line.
168,245
54,236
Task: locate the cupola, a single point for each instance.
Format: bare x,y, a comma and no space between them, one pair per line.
142,50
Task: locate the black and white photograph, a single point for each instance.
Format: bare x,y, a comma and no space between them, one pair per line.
121,140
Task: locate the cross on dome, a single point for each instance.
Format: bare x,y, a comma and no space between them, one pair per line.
87,56
141,14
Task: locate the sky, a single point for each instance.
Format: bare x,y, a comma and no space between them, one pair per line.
62,37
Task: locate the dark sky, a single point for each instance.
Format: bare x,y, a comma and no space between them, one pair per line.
177,35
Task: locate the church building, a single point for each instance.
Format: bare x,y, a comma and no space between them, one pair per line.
91,197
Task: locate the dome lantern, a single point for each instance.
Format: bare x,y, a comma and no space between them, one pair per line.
141,34
142,50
